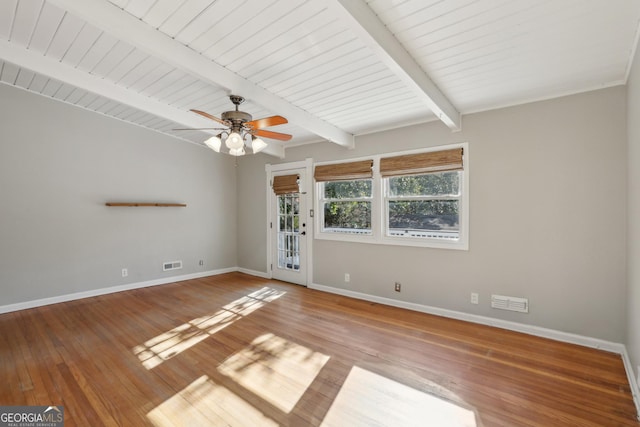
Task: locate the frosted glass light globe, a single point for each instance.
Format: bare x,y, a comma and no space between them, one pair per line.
214,143
234,141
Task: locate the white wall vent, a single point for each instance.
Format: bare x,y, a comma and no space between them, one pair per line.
171,265
510,303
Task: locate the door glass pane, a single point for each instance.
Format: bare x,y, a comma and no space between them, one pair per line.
288,232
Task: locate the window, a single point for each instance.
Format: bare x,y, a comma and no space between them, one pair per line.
288,228
287,190
417,198
422,195
345,197
423,206
346,206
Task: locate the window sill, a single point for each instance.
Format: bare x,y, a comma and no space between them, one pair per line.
457,244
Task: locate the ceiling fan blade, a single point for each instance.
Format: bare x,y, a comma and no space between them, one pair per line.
209,116
266,122
272,135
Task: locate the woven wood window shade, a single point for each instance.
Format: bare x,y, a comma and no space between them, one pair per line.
285,184
344,171
416,164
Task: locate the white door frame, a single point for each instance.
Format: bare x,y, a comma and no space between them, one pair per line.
307,193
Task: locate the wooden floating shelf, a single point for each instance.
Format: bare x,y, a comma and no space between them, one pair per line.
162,205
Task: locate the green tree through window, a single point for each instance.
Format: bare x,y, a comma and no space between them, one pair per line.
429,202
411,198
347,205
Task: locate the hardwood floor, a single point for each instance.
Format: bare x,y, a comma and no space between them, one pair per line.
239,350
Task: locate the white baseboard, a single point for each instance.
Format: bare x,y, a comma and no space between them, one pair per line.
254,273
632,380
504,324
112,289
483,320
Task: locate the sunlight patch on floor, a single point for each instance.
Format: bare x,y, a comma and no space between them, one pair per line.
277,370
204,403
368,399
171,343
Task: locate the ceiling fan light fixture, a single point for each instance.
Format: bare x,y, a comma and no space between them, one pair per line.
239,126
214,143
234,141
257,144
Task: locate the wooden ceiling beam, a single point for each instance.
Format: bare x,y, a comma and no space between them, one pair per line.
61,72
366,24
120,24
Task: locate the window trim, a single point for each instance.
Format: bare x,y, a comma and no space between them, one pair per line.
379,208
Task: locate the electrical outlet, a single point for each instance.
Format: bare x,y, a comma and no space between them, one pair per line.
347,277
201,262
125,272
398,286
474,298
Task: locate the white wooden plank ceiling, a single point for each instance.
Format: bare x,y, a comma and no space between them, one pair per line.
334,68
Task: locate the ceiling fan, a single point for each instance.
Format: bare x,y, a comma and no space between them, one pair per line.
241,133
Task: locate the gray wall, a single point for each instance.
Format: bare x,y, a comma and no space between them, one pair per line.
252,212
547,217
60,164
633,216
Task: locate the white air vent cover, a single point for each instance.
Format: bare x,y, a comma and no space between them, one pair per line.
171,265
510,303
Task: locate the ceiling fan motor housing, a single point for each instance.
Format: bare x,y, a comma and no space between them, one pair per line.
236,117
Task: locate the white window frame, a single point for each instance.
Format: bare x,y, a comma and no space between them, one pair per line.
345,236
379,208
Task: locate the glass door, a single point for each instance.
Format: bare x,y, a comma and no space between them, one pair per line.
288,236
